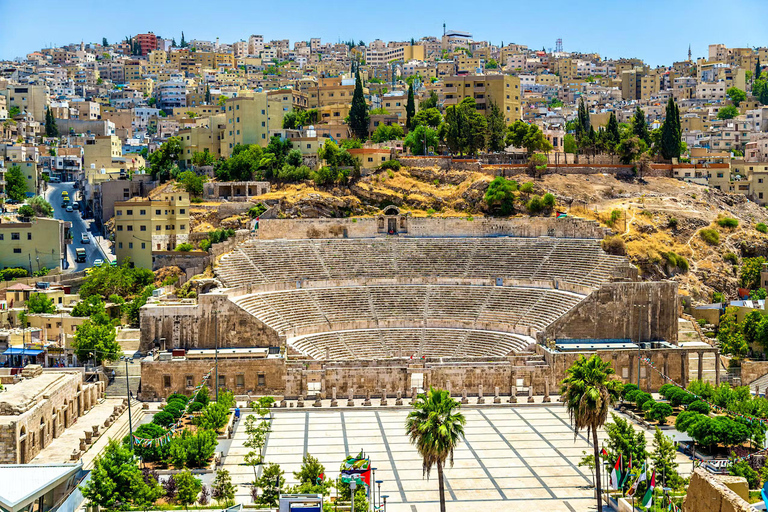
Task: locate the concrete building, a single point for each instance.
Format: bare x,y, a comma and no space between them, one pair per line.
171,94
503,90
108,193
147,42
32,99
143,226
40,242
246,122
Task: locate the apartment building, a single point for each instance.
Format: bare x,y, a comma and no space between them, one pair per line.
281,102
31,99
102,152
147,42
206,138
184,60
108,193
34,244
171,94
246,122
143,226
504,90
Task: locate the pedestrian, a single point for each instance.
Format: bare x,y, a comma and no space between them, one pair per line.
112,377
237,413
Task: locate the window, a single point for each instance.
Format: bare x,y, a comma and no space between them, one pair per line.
129,228
157,228
129,212
17,250
29,236
120,245
222,381
240,381
190,381
261,380
142,212
130,245
142,228
157,212
15,236
182,211
143,245
183,227
166,381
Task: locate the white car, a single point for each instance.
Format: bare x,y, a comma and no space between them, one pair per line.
69,208
98,262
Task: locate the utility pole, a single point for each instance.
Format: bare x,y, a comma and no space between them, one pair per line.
216,342
128,392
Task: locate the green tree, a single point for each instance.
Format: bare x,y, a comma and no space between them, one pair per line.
187,487
96,341
736,95
743,469
749,273
358,112
309,479
500,195
497,128
727,112
51,130
427,116
435,426
588,392
569,144
151,453
421,138
166,156
222,489
663,457
660,411
203,158
207,95
410,107
183,41
116,481
38,207
751,326
271,484
192,182
40,304
630,149
529,136
640,126
384,133
430,102
213,417
15,184
582,122
612,134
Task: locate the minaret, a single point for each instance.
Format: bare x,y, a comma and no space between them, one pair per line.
689,53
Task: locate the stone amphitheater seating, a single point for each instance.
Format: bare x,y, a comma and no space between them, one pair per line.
313,309
576,261
369,344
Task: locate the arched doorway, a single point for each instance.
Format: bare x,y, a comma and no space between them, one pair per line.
23,445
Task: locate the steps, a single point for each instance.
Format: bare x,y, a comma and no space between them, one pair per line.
118,388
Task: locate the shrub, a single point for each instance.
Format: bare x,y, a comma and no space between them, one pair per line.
185,247
526,187
615,216
727,222
648,404
9,274
641,398
627,388
674,260
761,227
548,201
701,322
205,244
178,396
631,394
290,174
174,410
256,211
394,165
660,412
195,406
203,396
614,245
710,236
534,205
213,417
698,406
731,258
665,389
164,419
685,419
672,223
179,404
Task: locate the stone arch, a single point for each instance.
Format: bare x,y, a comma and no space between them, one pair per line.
42,432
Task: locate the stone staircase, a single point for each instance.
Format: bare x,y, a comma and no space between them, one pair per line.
760,384
118,388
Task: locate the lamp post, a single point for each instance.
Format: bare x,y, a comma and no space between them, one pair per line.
372,490
385,502
379,482
128,392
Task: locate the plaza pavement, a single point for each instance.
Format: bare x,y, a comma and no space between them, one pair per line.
521,458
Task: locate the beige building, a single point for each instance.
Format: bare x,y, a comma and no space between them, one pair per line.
504,90
206,138
143,226
29,98
246,122
32,245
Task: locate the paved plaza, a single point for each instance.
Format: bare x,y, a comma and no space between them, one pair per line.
513,458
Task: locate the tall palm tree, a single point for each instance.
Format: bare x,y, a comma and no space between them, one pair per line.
435,427
587,393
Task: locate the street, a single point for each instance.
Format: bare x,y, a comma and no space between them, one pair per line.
93,250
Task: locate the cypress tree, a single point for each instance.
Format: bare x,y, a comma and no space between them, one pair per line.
207,94
183,41
612,134
51,130
358,112
758,70
640,126
496,129
670,132
582,122
410,107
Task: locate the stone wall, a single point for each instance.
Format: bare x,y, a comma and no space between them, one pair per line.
191,325
432,227
192,262
632,310
707,492
234,372
752,370
30,425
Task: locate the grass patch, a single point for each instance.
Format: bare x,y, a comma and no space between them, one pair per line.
727,222
711,236
761,227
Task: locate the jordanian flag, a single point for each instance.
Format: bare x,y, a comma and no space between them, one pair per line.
615,478
640,478
649,493
626,475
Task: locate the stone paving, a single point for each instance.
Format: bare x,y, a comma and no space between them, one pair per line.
513,458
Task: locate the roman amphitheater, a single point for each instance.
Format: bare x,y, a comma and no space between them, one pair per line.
385,305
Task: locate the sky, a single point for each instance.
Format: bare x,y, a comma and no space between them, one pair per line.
657,31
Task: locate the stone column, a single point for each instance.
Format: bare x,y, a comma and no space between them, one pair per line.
513,394
334,403
399,399
464,400
351,399
717,368
300,402
367,401
684,368
496,397
413,395
547,398
666,364
480,399
700,374
383,397
530,393
632,370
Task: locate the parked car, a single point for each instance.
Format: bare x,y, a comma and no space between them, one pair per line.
98,262
69,208
76,206
84,238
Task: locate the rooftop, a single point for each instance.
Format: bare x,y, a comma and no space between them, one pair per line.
21,484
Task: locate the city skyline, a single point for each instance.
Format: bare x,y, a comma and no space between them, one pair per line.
589,26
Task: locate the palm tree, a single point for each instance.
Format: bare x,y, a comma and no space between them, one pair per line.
435,427
587,393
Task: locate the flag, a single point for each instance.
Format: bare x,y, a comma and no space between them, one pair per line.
640,478
603,453
616,474
649,493
626,475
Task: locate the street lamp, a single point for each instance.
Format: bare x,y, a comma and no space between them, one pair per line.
352,487
385,502
379,482
372,489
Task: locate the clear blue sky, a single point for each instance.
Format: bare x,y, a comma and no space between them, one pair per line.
657,31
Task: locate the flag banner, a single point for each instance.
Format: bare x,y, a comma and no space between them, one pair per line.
615,477
640,478
357,469
649,493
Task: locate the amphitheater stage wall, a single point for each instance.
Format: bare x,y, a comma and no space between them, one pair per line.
423,227
647,311
193,325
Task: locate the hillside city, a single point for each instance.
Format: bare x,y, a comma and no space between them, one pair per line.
434,274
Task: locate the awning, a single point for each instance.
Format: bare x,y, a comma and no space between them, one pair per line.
17,351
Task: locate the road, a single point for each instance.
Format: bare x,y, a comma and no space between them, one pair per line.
93,250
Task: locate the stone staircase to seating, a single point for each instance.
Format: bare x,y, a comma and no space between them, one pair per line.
118,388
